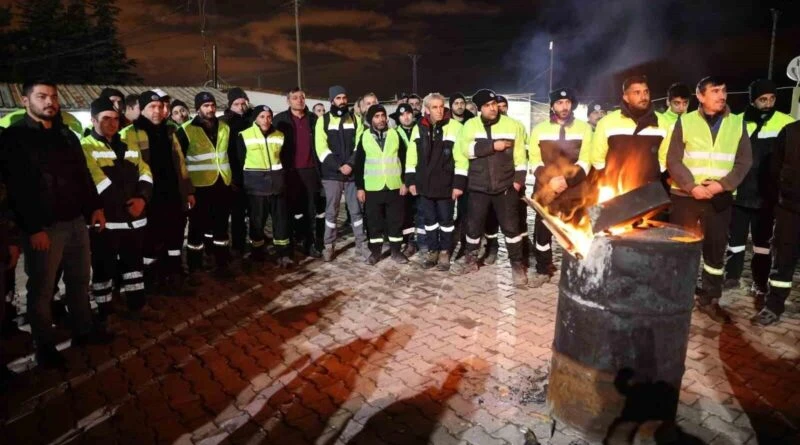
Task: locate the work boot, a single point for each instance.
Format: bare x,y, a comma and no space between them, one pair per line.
444,261
398,257
714,311
313,252
518,275
327,253
469,263
538,280
48,357
765,317
430,260
363,250
373,258
731,283
410,250
548,269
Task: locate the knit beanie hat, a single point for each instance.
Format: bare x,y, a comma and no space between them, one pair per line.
147,97
178,103
564,93
111,92
373,110
335,91
203,98
456,96
482,97
102,104
236,93
761,87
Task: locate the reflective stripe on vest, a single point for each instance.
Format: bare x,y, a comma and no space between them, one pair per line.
704,158
262,154
381,167
204,161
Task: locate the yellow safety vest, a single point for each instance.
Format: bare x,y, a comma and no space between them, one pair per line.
205,162
382,168
263,153
708,159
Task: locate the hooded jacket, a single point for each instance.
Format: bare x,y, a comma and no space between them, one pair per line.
430,165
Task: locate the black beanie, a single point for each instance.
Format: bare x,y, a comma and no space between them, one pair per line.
110,92
102,104
260,109
595,106
482,97
202,98
761,87
564,93
236,93
456,96
147,97
404,108
373,110
502,100
178,103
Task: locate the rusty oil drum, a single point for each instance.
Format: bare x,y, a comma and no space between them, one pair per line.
622,324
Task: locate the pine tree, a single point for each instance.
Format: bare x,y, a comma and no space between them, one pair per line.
111,64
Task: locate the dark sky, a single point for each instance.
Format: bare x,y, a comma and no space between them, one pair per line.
464,44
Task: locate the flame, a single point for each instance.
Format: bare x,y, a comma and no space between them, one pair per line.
606,193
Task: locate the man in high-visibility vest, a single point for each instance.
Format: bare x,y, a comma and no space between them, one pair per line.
490,157
709,156
263,181
379,178
335,144
173,194
678,97
414,232
783,191
125,184
204,142
559,156
752,214
594,112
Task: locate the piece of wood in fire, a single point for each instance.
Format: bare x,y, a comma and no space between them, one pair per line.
637,204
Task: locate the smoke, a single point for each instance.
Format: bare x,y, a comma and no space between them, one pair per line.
595,44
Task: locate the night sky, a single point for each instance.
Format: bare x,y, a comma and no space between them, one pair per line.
464,44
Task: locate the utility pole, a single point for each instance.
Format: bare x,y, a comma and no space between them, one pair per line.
297,39
551,67
775,14
414,58
215,77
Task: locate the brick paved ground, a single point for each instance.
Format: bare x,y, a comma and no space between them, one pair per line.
346,353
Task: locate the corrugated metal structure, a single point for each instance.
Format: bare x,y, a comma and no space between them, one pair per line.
78,97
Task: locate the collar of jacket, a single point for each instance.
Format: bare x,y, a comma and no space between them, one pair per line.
491,122
269,131
200,122
723,114
30,122
554,119
646,119
753,114
306,111
144,123
339,111
113,143
428,124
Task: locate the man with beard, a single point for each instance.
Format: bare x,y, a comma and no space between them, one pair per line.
179,112
335,144
125,184
412,223
238,119
52,195
416,105
751,214
559,156
302,173
458,108
491,159
630,144
173,194
430,169
709,156
379,177
204,142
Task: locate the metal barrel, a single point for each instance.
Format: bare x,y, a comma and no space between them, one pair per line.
622,329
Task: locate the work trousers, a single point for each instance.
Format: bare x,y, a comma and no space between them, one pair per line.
413,224
69,245
117,254
239,214
211,213
333,198
163,237
786,250
700,216
504,206
307,205
758,223
260,208
385,214
437,219
543,245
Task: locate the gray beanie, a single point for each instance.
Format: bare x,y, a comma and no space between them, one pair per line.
335,91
